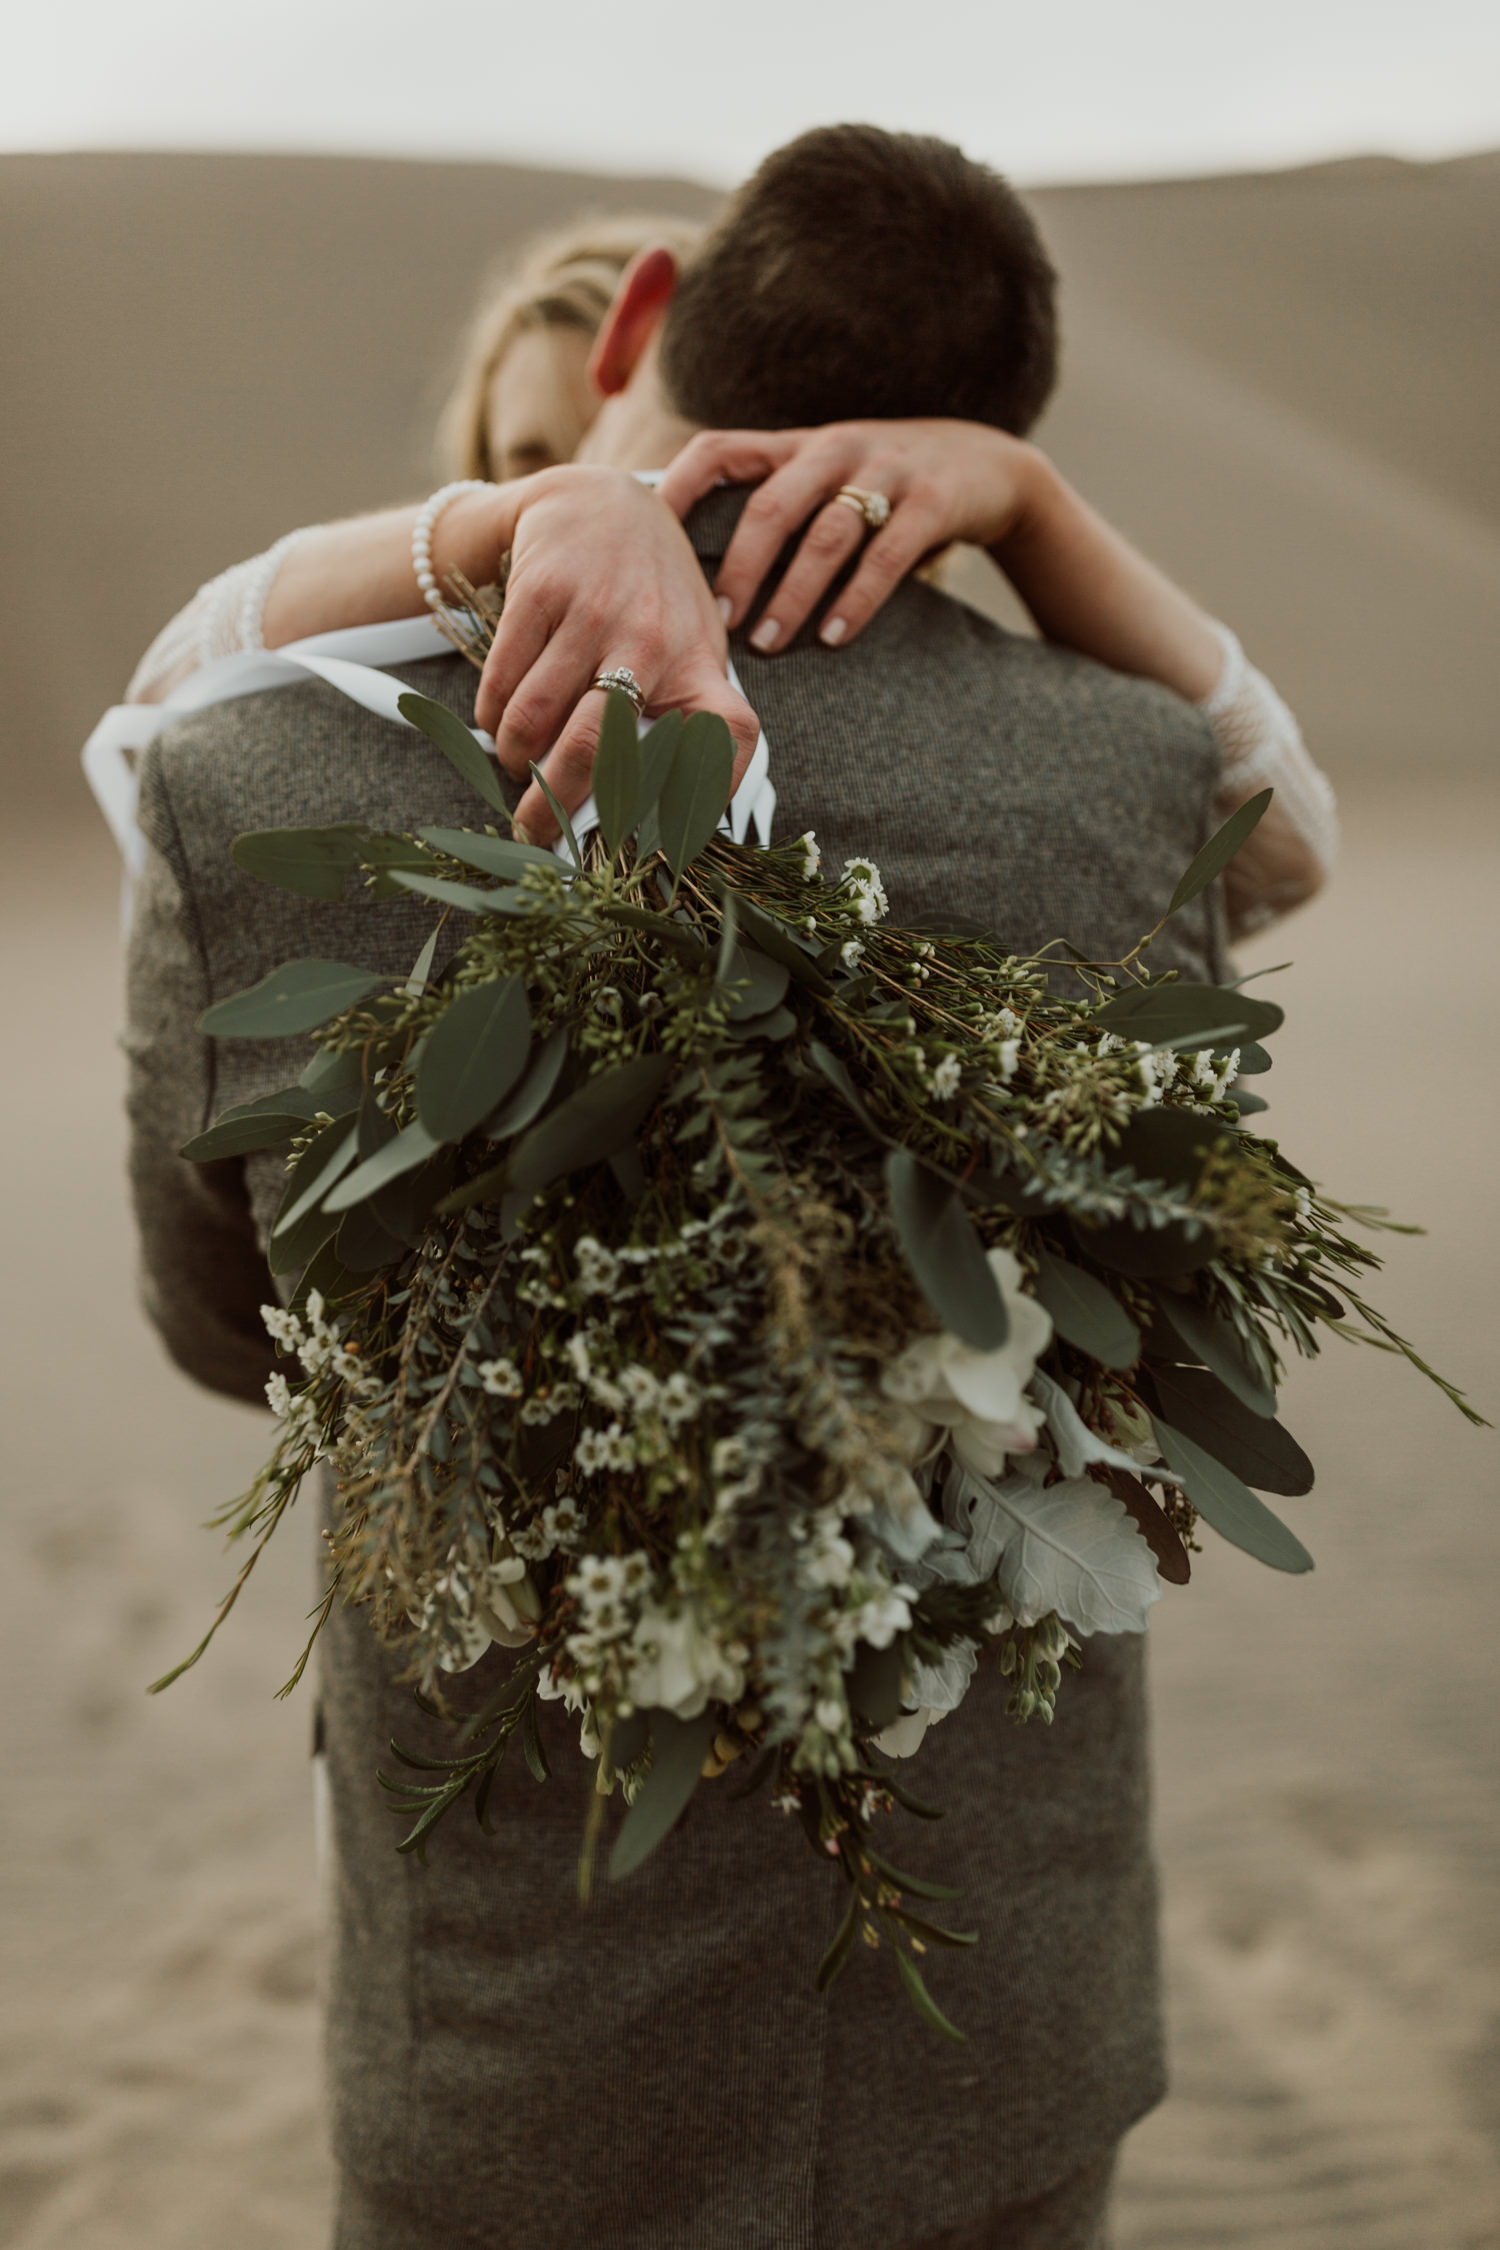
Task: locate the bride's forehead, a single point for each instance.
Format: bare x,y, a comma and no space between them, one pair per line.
539,397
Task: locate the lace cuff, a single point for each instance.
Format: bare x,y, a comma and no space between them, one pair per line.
223,618
1261,747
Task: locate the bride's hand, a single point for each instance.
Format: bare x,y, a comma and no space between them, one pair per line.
601,576
944,480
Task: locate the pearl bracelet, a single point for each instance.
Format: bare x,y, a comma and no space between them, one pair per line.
422,529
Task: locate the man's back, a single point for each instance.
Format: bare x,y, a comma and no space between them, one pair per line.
504,2061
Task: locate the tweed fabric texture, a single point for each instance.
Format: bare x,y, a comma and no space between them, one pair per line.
656,2071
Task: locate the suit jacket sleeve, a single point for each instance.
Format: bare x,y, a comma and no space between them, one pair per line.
203,1275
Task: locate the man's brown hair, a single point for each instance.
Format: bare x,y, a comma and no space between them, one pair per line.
863,273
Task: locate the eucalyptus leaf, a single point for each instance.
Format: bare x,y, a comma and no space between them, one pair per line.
491,855
364,1245
1170,1145
1219,850
944,1253
292,1245
1213,1340
680,1747
1253,1059
241,1136
405,1204
1180,1012
465,896
875,1682
313,862
1229,1505
1248,1104
421,968
780,1023
535,1090
658,749
288,1252
410,1148
329,1274
617,771
600,1117
1085,1313
342,1146
1263,1453
298,996
824,1061
695,793
663,929
560,815
447,732
1145,1253
764,982
329,1074
474,1054
773,937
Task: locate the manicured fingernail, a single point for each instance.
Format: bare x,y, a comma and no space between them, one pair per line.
726,608
833,630
767,633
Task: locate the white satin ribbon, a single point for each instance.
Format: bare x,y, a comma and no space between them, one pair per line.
347,661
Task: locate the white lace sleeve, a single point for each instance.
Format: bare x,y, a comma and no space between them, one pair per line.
222,619
1292,852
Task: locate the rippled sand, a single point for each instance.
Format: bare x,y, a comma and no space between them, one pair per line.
1328,1823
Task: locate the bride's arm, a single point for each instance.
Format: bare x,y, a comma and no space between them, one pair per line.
319,580
1086,587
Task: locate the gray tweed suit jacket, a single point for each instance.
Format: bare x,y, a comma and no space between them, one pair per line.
656,2072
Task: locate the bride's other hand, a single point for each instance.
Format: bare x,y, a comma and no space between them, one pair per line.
601,576
944,480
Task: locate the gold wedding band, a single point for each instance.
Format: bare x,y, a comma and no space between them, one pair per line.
873,506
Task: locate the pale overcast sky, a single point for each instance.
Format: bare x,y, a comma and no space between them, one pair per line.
1048,89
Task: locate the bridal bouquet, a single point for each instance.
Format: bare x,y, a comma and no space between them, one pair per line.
754,1316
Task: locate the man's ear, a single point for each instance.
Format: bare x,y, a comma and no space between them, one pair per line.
646,289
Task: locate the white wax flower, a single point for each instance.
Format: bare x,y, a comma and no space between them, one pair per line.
674,1665
978,1397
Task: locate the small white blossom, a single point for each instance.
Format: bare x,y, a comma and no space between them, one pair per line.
866,890
640,1388
282,1326
679,1401
945,1081
598,1268
828,1558
830,1715
563,1522
812,857
501,1378
852,952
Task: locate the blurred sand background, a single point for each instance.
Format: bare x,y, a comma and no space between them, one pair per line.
1285,387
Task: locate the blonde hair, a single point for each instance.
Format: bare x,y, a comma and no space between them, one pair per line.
563,280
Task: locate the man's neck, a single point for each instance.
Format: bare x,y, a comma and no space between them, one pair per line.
636,429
